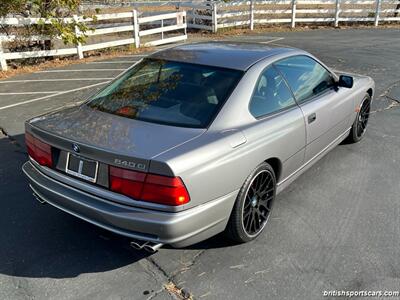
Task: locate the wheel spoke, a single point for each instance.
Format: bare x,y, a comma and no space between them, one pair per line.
246,214
264,205
263,186
263,217
268,199
247,202
248,223
254,191
263,193
252,221
256,221
258,183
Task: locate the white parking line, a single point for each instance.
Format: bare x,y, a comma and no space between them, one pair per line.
61,79
53,95
80,70
272,41
29,93
113,62
135,55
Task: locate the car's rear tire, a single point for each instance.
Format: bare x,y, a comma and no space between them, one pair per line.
359,127
253,205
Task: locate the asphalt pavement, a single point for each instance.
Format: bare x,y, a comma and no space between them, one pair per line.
337,227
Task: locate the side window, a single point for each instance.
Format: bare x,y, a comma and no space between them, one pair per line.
305,76
271,94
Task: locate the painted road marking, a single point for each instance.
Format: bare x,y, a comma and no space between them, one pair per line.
53,95
272,41
113,62
29,93
80,70
63,79
136,55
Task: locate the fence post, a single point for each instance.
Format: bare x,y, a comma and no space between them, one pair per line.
215,17
136,28
251,15
182,20
192,12
185,20
77,35
377,11
162,28
337,12
293,13
3,62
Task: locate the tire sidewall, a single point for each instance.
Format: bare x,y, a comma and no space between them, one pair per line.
237,213
355,137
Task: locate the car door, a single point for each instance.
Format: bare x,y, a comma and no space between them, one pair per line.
280,123
326,108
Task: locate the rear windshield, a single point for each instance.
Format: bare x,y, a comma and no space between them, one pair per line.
166,92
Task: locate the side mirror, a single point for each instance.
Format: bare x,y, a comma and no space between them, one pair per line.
345,81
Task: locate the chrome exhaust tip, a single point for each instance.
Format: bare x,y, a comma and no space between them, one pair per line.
40,200
152,248
137,245
148,246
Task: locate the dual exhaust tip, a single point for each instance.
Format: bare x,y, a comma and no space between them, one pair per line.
138,245
37,197
147,246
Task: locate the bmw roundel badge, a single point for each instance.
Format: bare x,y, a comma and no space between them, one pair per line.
76,148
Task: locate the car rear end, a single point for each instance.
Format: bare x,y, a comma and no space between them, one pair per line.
99,162
137,204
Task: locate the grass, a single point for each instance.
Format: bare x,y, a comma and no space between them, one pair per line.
177,292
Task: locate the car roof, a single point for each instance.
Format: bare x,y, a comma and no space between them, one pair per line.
231,55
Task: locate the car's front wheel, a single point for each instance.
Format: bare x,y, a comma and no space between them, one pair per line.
359,127
253,205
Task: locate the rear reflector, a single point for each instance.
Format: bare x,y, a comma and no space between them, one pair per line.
38,150
148,187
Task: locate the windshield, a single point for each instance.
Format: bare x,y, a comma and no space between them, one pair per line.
167,92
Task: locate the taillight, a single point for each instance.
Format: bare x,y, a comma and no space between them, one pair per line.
165,190
126,182
148,187
38,150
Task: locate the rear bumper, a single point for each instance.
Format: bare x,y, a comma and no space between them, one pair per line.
178,229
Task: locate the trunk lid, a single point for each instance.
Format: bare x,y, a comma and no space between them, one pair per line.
109,138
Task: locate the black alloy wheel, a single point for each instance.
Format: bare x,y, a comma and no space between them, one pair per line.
359,127
362,118
258,202
253,205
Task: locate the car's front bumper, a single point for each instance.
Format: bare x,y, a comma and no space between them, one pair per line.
178,229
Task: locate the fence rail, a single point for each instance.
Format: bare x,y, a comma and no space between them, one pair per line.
155,25
216,15
211,15
299,11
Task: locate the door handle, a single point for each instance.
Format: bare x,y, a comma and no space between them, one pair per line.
312,118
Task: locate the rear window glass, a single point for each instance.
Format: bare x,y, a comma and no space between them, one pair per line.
166,92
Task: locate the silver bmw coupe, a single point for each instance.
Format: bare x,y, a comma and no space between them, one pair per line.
194,140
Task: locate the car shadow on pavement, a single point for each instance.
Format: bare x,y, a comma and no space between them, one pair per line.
40,241
215,242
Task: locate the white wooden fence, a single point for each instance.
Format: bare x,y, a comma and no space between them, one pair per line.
201,15
213,16
174,22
